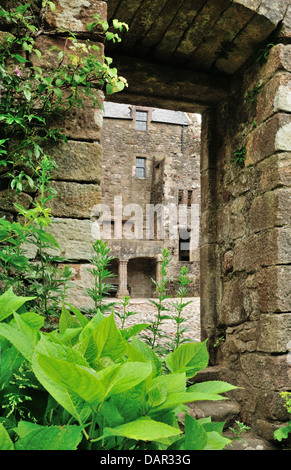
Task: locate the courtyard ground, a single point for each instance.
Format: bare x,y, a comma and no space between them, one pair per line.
146,313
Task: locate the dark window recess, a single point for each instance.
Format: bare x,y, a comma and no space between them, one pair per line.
140,167
190,195
141,120
180,196
184,246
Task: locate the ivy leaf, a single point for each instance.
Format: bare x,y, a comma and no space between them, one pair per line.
19,58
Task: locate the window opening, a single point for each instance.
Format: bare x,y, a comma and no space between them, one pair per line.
141,120
184,245
140,167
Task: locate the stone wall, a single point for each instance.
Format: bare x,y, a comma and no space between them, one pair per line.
246,237
77,178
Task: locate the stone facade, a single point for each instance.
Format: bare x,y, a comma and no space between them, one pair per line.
170,151
246,233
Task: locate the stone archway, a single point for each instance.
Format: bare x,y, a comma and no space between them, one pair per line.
205,56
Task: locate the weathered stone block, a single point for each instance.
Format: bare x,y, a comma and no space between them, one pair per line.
249,255
279,59
270,137
232,307
82,280
285,31
273,287
75,238
74,15
8,198
49,55
270,210
275,333
77,161
273,97
74,199
83,123
266,372
274,171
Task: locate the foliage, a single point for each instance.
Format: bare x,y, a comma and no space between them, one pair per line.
283,432
240,156
263,53
251,95
182,291
154,333
88,387
34,96
34,100
239,429
100,263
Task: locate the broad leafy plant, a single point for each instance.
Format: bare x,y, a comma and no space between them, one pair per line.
88,385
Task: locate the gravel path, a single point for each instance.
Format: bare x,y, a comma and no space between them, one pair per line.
146,313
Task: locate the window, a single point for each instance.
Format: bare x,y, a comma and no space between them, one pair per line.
141,120
180,196
140,167
184,245
190,197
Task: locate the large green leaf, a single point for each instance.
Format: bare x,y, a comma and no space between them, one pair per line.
35,437
11,359
5,441
108,339
81,318
189,358
79,380
67,398
195,434
211,387
215,441
148,354
128,376
29,323
67,321
144,429
19,340
91,325
10,303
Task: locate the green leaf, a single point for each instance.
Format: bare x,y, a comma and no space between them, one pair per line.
36,437
70,400
73,379
108,339
195,434
19,340
133,330
128,376
58,92
67,321
211,387
189,358
19,58
10,303
27,94
47,238
5,441
282,433
83,321
148,354
29,323
215,441
144,429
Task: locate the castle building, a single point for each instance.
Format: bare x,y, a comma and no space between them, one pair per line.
150,196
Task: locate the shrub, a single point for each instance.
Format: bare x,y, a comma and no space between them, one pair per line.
88,385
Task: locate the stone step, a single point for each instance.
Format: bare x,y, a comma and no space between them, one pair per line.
220,411
210,373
